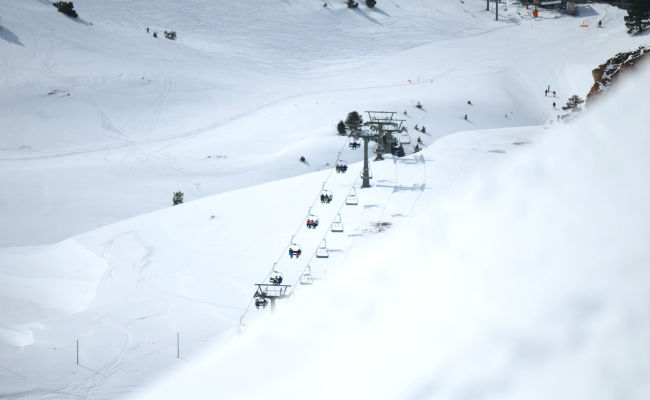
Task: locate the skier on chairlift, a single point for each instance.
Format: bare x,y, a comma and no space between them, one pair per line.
260,303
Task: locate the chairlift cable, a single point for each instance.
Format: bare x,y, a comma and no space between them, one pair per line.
286,248
327,231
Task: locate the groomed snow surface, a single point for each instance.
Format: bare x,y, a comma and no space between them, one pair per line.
509,259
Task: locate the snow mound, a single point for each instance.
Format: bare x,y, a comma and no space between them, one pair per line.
44,282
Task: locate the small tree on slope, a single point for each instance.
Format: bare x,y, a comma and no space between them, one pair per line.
66,7
573,104
638,17
351,4
178,198
371,3
354,122
341,128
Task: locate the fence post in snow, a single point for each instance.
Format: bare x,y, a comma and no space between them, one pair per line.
178,345
77,351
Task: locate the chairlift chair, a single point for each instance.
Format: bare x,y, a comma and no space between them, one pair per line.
352,199
321,251
404,138
337,224
326,196
353,143
341,166
312,220
369,173
261,302
276,276
306,278
294,250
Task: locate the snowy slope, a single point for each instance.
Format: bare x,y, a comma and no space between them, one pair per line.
236,101
524,280
237,86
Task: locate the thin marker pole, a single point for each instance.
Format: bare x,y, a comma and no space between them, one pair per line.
77,351
178,345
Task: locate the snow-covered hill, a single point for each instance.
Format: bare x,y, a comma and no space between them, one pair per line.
520,272
246,90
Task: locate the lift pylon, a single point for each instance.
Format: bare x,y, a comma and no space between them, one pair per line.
380,128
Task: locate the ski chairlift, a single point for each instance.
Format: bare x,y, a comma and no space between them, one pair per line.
276,276
261,302
369,173
341,165
276,279
404,138
352,199
294,249
306,278
326,196
353,143
312,220
337,224
321,251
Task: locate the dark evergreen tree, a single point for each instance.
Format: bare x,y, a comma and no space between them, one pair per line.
351,4
638,17
171,35
424,129
419,105
66,7
573,104
416,148
354,122
155,34
341,128
178,198
371,3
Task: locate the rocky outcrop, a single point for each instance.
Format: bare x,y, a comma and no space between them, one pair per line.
608,73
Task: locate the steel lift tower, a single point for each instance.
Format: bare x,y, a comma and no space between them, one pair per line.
381,128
